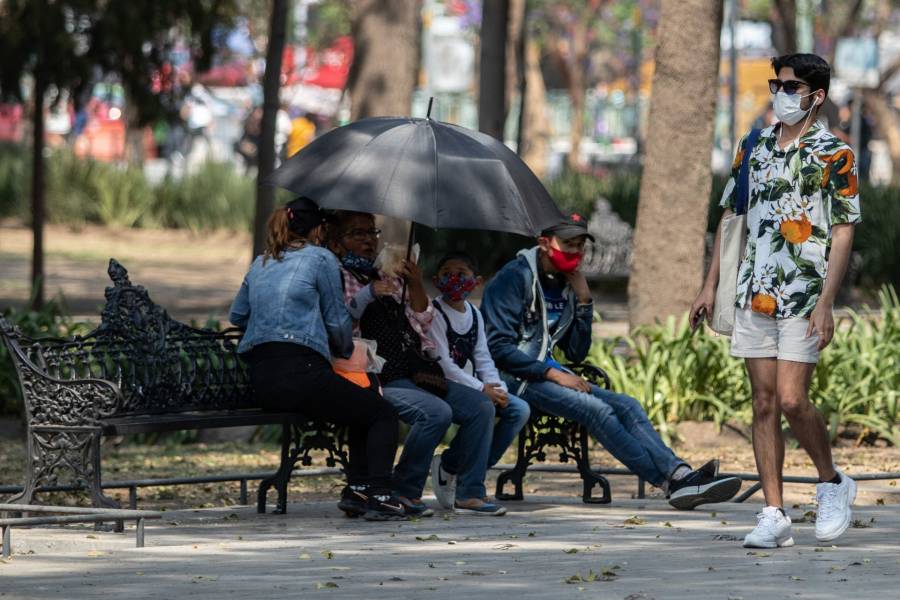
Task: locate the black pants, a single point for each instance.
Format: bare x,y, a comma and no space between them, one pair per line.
289,377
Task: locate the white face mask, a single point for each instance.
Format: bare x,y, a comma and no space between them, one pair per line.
787,107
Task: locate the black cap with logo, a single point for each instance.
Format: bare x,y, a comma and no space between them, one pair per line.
572,226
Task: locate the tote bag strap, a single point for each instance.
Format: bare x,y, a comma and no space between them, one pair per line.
743,183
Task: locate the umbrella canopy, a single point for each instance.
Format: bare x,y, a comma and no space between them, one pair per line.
433,173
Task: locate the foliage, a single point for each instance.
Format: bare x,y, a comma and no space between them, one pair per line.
132,40
53,320
677,375
213,197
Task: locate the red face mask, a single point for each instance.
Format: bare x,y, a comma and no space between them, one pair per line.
565,262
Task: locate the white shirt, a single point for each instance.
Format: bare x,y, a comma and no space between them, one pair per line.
461,322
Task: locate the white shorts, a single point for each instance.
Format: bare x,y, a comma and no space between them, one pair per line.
761,336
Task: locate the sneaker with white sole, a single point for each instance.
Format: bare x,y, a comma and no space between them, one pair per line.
773,530
443,483
702,486
833,514
485,508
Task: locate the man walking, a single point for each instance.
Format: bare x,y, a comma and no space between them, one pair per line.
803,204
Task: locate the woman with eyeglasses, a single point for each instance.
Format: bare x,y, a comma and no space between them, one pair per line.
414,383
291,308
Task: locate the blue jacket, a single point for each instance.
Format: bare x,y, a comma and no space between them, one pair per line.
298,299
515,320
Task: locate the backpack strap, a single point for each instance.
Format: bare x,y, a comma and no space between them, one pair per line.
743,183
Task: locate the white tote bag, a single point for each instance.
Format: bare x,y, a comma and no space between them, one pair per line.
731,250
731,245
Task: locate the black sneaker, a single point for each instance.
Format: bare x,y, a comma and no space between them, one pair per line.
354,502
702,486
385,508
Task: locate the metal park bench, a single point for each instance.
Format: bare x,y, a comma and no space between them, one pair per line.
141,371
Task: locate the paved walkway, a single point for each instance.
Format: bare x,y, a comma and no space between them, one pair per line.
545,548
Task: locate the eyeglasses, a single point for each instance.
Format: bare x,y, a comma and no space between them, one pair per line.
362,234
790,86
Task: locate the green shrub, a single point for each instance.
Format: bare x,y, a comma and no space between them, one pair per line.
53,320
677,375
216,196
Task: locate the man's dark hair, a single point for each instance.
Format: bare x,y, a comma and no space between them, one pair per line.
812,69
461,256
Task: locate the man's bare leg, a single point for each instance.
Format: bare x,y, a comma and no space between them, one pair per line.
768,443
806,421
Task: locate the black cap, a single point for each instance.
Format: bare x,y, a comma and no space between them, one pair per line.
570,227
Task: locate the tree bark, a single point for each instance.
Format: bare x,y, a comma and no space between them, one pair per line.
784,26
534,136
265,195
672,212
37,193
386,48
577,90
385,57
492,99
515,51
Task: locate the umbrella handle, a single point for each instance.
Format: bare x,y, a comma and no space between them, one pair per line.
409,246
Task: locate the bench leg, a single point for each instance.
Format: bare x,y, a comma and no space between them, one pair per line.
588,477
279,479
516,475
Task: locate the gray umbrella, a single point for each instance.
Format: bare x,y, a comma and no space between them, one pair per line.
433,173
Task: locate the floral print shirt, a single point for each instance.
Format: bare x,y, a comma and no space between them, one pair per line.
796,196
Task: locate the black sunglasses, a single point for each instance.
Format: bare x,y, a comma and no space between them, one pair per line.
790,86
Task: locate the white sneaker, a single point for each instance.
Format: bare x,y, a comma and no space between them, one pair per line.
833,515
443,483
773,530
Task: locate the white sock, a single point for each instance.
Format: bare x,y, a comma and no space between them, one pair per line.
680,473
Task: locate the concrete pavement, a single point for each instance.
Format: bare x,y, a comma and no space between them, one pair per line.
546,547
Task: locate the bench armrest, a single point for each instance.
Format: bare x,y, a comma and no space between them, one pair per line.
592,373
50,401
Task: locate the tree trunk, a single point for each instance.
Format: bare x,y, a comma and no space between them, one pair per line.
888,123
385,57
37,193
265,195
515,51
386,45
577,90
492,102
534,135
675,187
784,26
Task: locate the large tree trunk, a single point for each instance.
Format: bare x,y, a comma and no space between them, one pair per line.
534,135
784,26
265,195
577,90
385,70
675,187
492,100
515,51
37,193
385,57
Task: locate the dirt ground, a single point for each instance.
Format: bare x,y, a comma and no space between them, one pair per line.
192,275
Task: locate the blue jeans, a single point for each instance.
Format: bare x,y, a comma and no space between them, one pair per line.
428,418
510,421
616,420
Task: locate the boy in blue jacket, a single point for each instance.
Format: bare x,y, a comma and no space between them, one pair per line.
540,301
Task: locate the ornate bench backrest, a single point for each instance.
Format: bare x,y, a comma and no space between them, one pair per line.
160,365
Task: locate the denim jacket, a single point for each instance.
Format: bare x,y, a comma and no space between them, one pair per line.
515,320
298,299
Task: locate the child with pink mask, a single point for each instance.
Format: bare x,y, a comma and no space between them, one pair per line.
458,334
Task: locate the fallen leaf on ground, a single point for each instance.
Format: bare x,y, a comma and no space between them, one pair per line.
97,553
326,585
760,554
634,520
328,554
571,551
305,556
430,538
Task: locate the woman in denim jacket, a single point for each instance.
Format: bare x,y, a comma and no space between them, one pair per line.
291,308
